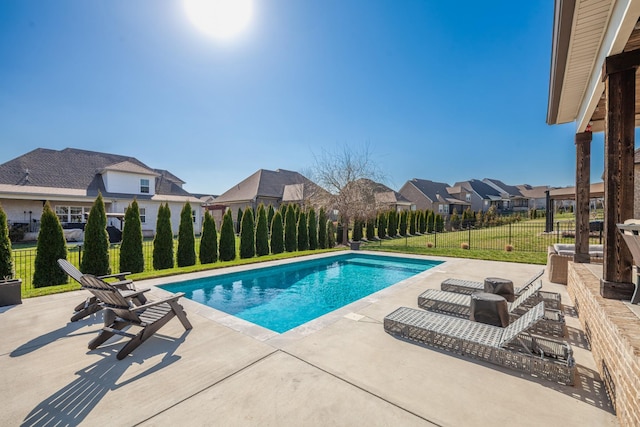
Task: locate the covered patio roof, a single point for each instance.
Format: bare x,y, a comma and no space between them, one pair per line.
585,33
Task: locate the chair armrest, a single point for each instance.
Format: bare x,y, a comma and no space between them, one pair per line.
174,297
122,285
119,276
134,293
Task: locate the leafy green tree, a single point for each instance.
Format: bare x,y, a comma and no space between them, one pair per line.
95,254
51,247
322,229
277,234
186,253
403,223
6,263
313,229
131,256
270,213
238,220
227,249
262,232
290,236
163,240
247,235
208,240
303,232
331,234
382,225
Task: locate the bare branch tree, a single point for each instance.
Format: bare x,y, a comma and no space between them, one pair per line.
349,177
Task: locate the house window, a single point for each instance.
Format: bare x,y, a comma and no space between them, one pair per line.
68,214
143,215
193,216
468,197
144,186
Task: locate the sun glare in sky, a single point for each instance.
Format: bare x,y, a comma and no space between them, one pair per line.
221,19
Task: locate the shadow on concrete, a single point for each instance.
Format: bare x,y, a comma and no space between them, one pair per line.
70,405
69,330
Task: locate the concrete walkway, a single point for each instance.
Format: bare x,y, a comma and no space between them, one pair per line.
341,369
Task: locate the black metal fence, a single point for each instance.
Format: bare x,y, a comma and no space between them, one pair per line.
517,236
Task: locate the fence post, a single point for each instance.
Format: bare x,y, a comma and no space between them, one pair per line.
469,227
79,255
510,234
558,232
435,239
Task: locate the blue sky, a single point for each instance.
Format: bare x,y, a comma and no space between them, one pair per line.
438,90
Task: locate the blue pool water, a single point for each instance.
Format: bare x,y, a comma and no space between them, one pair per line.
283,297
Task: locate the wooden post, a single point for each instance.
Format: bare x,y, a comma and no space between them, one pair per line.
620,75
583,185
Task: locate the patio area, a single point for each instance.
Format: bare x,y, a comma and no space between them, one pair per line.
341,369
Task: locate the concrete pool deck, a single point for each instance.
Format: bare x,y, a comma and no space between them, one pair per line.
341,369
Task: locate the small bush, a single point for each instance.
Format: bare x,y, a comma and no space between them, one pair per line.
464,245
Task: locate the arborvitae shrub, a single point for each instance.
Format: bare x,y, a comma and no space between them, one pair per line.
430,222
382,225
439,223
392,225
322,229
238,220
339,231
371,228
423,222
455,220
290,235
227,249
186,254
208,240
303,232
403,223
277,234
163,240
262,232
6,263
313,230
247,235
412,222
357,230
131,256
270,213
51,247
331,234
95,253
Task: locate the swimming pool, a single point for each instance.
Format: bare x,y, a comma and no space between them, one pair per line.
283,297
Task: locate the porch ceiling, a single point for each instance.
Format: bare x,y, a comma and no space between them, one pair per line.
585,33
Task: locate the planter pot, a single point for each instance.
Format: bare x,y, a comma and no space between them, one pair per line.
355,246
10,292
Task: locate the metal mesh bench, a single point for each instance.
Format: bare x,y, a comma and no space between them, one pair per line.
512,347
551,299
459,305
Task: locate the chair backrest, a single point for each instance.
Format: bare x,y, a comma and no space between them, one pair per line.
70,269
530,282
110,296
631,235
521,324
530,292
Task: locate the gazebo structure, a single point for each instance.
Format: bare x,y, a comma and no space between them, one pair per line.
593,83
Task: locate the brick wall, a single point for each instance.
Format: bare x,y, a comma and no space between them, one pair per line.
613,331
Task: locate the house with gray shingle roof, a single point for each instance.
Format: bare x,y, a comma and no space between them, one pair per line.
426,194
267,187
480,195
70,180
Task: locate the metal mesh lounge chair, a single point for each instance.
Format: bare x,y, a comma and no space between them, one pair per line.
551,299
512,347
150,317
460,305
91,304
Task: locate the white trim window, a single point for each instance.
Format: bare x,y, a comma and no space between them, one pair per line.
144,185
67,214
143,215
